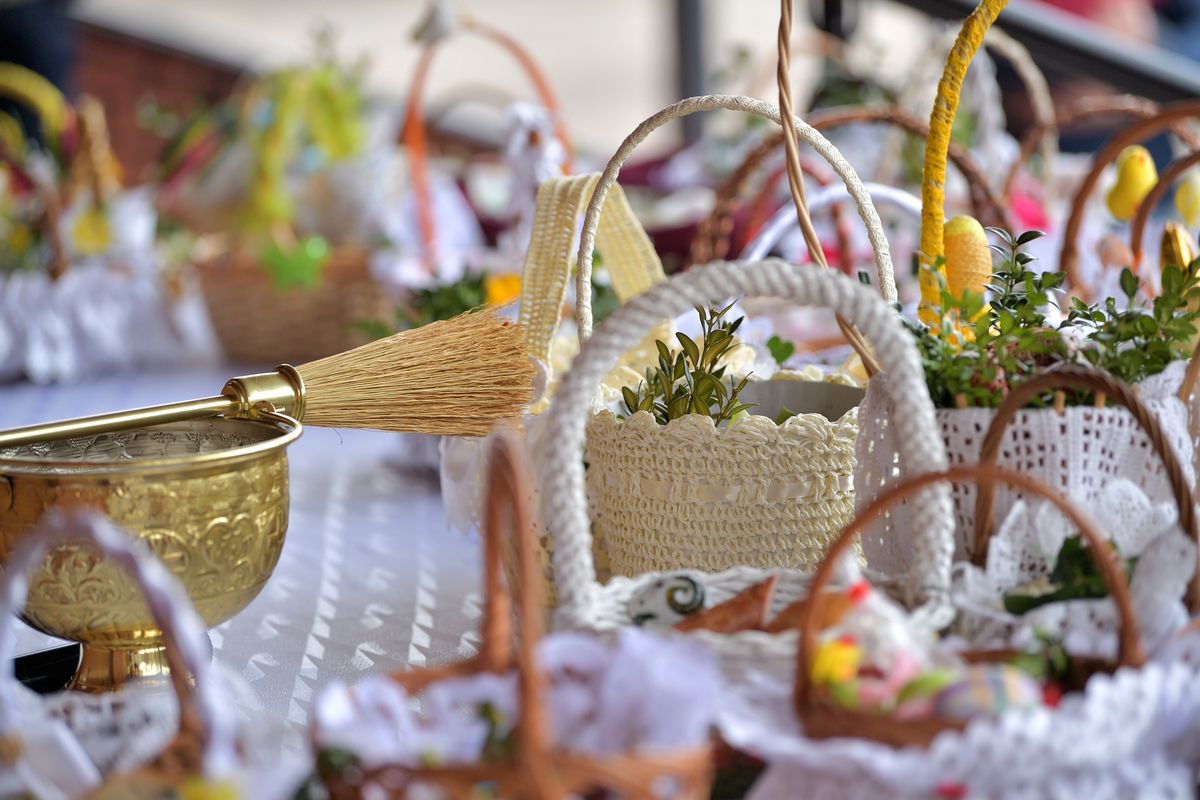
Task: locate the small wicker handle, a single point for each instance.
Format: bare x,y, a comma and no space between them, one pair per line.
1166,180
560,461
692,105
206,740
536,770
1092,380
1074,113
414,136
1129,653
1167,118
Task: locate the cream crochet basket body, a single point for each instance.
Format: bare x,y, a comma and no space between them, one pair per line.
689,495
587,604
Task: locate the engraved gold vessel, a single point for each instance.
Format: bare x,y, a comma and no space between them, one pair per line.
209,497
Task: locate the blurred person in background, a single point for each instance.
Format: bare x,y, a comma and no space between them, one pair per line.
39,35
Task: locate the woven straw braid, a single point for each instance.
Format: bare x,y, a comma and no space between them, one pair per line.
941,121
633,265
885,277
584,603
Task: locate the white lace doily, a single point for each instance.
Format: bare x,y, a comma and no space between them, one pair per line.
1128,735
1025,549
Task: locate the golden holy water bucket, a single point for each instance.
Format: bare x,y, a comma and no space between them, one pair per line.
208,496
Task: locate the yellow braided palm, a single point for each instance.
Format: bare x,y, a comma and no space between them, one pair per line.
933,183
629,255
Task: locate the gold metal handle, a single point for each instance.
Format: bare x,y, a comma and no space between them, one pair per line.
279,391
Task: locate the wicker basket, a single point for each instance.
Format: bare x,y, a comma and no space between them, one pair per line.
206,740
535,769
256,323
1072,449
585,603
824,718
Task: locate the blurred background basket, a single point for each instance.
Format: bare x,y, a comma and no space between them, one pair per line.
256,322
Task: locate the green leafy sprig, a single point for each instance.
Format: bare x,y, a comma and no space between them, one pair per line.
692,381
1013,337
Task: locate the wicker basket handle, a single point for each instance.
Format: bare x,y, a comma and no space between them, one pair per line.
206,737
587,242
1129,649
711,240
1168,118
1166,180
561,453
941,121
1101,383
507,507
1076,112
414,136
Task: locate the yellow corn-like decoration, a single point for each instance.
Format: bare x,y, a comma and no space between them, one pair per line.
1176,249
27,87
933,181
968,262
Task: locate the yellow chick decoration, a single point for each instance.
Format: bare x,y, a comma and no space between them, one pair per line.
836,662
1187,199
1136,176
968,262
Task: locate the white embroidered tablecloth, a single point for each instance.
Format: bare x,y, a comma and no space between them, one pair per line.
369,579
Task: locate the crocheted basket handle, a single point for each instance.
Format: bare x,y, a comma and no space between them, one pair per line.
1129,653
561,454
1168,118
785,218
1101,383
885,276
414,134
206,741
933,179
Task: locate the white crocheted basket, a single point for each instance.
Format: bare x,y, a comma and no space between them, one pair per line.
584,602
1076,452
689,495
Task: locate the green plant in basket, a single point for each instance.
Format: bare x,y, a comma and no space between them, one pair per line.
692,380
980,349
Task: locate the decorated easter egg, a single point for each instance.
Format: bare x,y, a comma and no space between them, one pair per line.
987,689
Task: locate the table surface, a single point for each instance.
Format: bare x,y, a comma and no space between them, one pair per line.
369,580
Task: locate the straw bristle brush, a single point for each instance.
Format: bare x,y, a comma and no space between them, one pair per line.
453,378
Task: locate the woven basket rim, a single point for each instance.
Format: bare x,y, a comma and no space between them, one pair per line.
801,429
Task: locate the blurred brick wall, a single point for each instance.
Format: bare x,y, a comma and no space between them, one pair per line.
123,72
